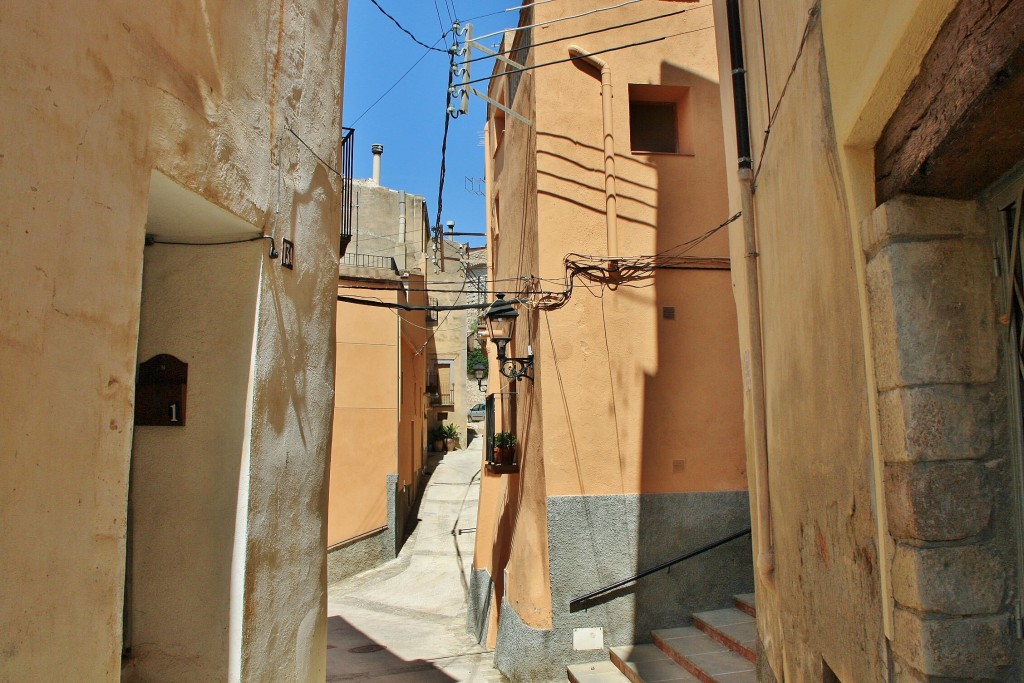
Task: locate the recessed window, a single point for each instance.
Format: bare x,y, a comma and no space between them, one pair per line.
652,127
659,120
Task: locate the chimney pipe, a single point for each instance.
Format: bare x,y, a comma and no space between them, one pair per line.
377,150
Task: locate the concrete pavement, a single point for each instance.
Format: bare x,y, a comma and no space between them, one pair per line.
405,621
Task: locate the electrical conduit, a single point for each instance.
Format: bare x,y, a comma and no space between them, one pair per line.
753,360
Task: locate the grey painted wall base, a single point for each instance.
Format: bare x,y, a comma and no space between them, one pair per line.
595,540
478,605
396,517
358,556
376,549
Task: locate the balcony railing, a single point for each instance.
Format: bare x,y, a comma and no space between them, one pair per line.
441,396
348,146
369,261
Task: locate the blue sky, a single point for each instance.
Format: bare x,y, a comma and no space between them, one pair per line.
409,120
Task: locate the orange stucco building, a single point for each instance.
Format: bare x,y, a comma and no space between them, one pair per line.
379,454
630,432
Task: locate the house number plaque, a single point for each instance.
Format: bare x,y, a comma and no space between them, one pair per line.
160,392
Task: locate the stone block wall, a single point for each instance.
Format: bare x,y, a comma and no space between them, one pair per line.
944,438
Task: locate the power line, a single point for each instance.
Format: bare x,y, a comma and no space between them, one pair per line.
812,19
404,29
394,85
318,157
553,21
509,9
586,33
585,56
440,22
408,307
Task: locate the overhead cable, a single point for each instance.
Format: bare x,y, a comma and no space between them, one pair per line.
812,20
394,85
553,21
410,307
404,29
585,56
311,151
509,9
586,33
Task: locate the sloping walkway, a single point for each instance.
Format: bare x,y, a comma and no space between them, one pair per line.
405,621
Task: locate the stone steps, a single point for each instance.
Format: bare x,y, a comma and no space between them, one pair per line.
720,647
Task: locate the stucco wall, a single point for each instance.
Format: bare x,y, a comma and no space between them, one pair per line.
365,445
813,186
98,97
184,481
627,400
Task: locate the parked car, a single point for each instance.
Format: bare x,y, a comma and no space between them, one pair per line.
477,412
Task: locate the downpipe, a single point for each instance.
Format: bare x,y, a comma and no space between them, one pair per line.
755,361
610,196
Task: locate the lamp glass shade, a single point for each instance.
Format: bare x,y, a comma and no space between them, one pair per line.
501,321
479,370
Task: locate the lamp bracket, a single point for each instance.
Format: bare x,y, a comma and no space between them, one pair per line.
517,368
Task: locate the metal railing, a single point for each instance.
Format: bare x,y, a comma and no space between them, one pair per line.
587,597
348,146
369,261
442,397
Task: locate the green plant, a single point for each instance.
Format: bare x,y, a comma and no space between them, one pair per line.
474,358
504,440
449,431
436,434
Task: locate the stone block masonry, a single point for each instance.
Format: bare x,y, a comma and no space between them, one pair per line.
944,437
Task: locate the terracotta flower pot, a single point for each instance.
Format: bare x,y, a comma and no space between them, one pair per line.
504,455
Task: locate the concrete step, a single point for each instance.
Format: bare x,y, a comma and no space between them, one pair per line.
745,602
596,672
648,664
708,659
735,629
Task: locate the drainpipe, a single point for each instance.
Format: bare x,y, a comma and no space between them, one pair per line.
755,360
611,211
377,150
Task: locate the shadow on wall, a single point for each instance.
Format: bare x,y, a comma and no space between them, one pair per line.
692,481
352,655
693,443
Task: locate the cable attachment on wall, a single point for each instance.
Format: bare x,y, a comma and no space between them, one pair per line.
273,253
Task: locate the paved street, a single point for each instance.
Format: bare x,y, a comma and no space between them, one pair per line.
405,622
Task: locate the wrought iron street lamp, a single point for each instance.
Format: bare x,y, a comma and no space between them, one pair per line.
501,321
480,371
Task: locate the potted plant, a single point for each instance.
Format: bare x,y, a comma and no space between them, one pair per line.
504,448
450,433
437,439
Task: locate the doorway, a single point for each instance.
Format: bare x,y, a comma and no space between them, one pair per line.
198,304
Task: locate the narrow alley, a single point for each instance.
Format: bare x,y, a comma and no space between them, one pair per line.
405,621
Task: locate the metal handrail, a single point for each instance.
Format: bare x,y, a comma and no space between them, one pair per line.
587,597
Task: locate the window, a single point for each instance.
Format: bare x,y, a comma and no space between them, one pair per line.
659,120
652,127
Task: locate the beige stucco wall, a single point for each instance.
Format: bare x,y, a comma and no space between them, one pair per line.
200,308
447,337
95,98
826,600
626,401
